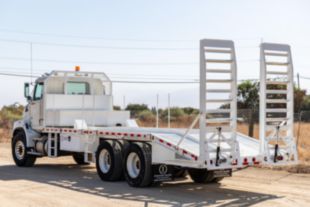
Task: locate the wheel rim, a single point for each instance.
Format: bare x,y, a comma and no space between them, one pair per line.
105,161
20,150
133,165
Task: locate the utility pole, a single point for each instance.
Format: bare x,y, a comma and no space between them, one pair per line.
298,81
31,65
168,110
157,113
124,102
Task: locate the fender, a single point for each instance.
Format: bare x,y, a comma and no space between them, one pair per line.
20,125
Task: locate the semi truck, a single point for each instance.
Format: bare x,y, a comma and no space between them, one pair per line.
70,113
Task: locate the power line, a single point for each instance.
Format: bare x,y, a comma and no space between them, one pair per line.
112,63
140,82
124,75
93,37
99,62
109,38
304,77
114,81
110,47
97,46
18,75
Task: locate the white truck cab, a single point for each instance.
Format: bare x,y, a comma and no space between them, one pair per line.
61,97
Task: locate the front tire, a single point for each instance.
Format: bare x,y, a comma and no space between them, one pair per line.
138,165
203,176
19,151
109,161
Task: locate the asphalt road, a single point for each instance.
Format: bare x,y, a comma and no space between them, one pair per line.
59,182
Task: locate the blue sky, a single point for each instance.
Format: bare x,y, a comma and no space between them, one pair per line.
154,24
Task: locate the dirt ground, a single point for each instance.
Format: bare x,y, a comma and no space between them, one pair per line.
59,182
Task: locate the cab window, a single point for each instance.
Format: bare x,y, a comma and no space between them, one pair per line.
77,88
38,91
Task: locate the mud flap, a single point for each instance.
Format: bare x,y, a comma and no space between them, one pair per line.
222,173
162,173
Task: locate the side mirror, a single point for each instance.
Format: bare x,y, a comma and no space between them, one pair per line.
27,91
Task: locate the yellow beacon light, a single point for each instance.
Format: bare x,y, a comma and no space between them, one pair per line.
77,68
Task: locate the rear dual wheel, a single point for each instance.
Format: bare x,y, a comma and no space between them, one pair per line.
137,165
109,161
133,161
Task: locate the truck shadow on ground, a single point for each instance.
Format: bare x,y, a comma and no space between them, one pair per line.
84,179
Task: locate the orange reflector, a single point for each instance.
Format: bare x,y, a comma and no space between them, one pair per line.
77,68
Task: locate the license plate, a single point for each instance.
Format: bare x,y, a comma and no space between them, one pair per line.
222,173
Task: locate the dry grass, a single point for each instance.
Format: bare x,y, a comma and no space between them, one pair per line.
4,135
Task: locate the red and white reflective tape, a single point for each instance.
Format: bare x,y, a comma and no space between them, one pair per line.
55,130
180,151
109,134
69,130
126,135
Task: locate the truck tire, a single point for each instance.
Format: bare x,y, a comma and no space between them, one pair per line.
203,176
79,159
19,151
109,161
138,165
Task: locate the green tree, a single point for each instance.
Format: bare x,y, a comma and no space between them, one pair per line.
175,113
9,114
299,100
135,109
116,108
190,110
305,104
248,98
146,116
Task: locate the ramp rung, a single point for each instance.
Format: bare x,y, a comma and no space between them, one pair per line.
218,80
218,120
273,127
221,140
218,71
280,148
215,129
218,90
275,138
218,100
214,111
277,101
277,82
276,73
277,63
275,54
276,119
277,110
218,51
218,61
222,150
276,91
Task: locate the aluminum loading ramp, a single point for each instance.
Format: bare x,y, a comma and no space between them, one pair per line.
276,105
